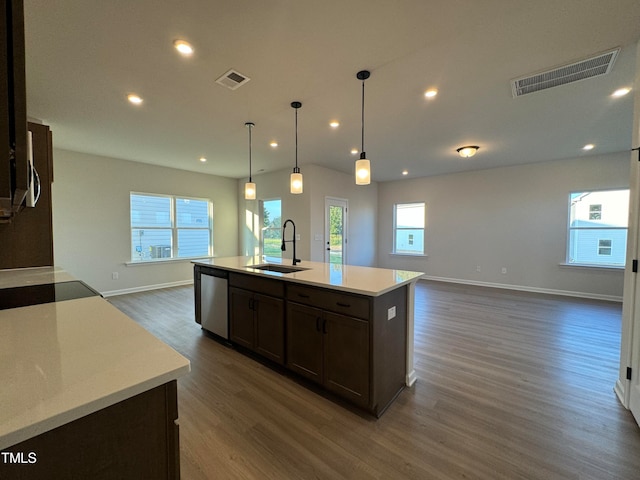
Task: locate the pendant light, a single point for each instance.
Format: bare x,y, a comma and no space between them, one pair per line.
250,187
363,166
296,176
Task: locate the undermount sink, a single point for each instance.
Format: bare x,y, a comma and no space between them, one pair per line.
276,267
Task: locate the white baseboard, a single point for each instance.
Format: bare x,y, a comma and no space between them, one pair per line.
523,288
619,388
411,378
145,288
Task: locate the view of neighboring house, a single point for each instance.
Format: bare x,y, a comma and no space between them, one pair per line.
598,227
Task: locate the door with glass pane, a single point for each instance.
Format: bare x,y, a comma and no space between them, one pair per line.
272,229
335,230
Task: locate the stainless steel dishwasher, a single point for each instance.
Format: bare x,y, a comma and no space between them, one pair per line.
213,307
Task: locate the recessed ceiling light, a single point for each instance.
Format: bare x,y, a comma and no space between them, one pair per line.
405,172
202,159
432,92
589,146
334,124
621,92
354,151
135,99
274,144
185,48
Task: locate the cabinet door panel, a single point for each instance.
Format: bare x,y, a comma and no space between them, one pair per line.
269,327
304,340
346,357
241,321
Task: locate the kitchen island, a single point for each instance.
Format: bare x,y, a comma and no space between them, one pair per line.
347,329
86,391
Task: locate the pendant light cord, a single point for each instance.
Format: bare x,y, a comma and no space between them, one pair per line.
362,151
250,153
296,139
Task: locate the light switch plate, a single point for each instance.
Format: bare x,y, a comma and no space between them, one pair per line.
391,313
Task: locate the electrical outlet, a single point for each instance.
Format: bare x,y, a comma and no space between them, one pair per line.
504,270
391,313
297,237
114,276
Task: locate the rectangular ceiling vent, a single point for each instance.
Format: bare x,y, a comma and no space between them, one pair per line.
232,79
574,72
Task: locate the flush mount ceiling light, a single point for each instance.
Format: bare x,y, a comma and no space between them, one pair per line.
135,99
250,187
589,146
334,124
203,159
468,151
184,48
363,166
432,92
296,176
274,144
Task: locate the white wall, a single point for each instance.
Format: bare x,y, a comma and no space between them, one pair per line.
91,227
307,211
629,346
512,217
362,214
295,207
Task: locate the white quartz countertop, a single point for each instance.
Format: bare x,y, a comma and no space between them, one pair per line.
21,277
348,278
61,361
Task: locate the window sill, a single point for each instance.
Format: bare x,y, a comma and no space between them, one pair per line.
592,266
163,261
413,255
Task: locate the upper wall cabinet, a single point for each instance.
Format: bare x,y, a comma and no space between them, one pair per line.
27,241
14,165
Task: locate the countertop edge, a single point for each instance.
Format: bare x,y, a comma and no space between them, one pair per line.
293,279
79,411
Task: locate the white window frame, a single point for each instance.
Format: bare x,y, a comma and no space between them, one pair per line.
592,211
396,228
174,228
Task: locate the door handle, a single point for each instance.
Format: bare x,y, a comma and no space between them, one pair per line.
345,305
324,326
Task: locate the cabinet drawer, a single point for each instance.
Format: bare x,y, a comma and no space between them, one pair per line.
257,284
344,303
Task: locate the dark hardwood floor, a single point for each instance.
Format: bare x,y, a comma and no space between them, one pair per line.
511,385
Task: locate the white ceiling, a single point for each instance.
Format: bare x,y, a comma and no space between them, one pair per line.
84,56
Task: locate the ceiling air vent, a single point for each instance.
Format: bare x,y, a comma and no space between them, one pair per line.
590,67
232,79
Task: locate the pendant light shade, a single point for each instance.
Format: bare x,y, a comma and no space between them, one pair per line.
296,176
363,171
363,166
250,187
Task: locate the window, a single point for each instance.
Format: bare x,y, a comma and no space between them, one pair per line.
408,227
164,226
598,228
272,229
604,247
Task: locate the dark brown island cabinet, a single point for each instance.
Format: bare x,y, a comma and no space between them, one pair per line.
343,342
135,438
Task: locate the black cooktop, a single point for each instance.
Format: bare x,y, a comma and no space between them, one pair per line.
45,293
